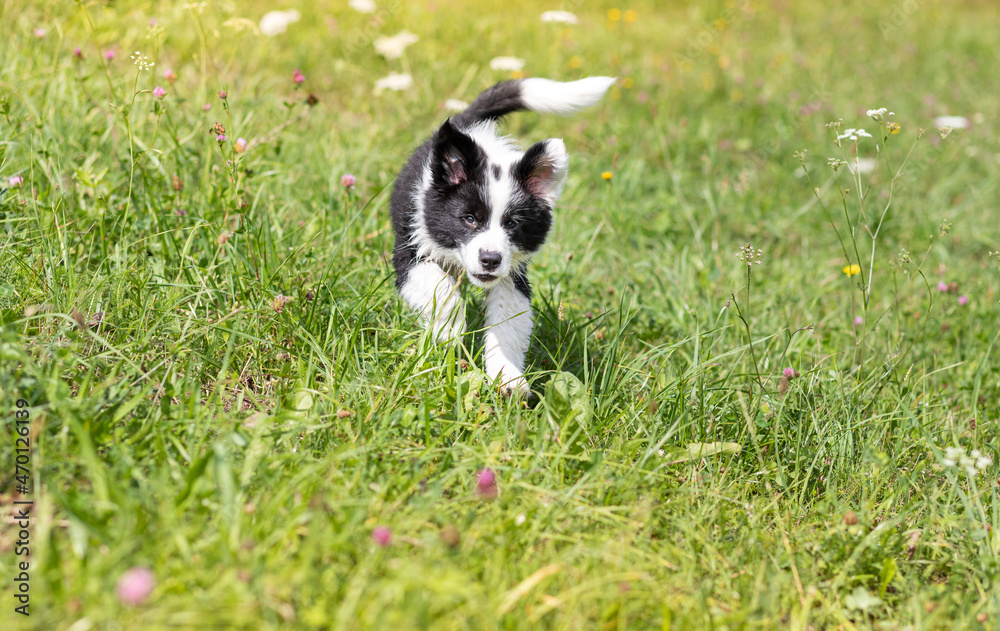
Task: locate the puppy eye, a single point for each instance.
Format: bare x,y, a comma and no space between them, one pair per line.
469,219
510,224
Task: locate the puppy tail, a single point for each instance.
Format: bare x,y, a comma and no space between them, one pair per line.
538,95
553,97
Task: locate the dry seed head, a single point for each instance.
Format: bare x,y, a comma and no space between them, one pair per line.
278,304
749,255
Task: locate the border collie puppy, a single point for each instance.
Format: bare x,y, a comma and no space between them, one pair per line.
471,202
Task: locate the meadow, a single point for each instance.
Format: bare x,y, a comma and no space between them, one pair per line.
764,366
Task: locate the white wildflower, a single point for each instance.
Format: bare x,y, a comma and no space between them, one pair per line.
968,463
564,17
276,22
981,461
972,462
512,64
854,135
660,452
835,163
455,105
394,81
393,47
520,519
880,113
955,122
362,6
952,455
142,61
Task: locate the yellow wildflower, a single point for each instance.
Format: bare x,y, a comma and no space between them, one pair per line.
852,270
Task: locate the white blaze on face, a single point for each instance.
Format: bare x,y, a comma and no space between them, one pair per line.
493,238
497,193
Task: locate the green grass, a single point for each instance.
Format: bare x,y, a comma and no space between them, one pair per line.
665,474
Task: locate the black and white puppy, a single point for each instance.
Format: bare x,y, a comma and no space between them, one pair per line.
470,201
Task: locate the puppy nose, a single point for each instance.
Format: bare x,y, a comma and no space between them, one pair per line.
489,260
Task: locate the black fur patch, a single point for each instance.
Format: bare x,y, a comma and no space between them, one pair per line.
497,172
494,102
454,208
455,157
535,170
531,215
403,209
521,281
530,219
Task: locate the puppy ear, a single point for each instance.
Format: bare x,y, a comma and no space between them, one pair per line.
543,169
454,156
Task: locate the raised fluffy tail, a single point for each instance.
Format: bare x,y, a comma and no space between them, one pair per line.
538,95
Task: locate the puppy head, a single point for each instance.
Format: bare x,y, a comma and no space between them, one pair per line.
488,205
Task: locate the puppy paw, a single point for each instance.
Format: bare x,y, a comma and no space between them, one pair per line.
448,331
517,386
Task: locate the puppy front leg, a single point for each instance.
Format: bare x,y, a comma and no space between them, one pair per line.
433,293
508,334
